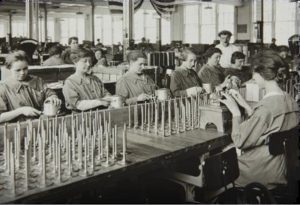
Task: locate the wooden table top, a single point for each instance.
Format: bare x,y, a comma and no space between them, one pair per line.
146,153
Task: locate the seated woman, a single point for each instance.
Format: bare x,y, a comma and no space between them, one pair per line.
212,72
81,90
21,95
101,59
184,80
237,69
256,164
55,56
134,86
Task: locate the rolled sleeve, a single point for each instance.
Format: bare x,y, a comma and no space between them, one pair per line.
72,97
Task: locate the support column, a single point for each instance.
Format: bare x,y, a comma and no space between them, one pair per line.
92,21
36,17
9,34
45,23
128,11
158,32
29,19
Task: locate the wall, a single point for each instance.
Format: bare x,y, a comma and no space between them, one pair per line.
244,16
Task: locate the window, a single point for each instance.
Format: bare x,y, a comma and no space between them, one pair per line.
68,29
226,18
98,27
107,29
268,19
117,29
150,25
165,31
2,29
145,25
19,28
138,25
285,21
208,23
191,24
50,29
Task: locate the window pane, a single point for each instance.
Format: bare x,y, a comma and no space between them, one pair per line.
107,30
139,25
19,28
117,29
226,18
98,27
2,31
165,31
191,24
208,23
267,32
285,21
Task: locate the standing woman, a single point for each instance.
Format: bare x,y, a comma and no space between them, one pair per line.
22,95
81,90
277,111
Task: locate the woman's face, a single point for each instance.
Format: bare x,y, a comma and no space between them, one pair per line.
190,61
259,80
19,70
239,63
84,65
214,59
98,55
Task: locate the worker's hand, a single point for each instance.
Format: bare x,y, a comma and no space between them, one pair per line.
235,82
193,91
240,100
29,111
231,105
102,102
143,97
54,100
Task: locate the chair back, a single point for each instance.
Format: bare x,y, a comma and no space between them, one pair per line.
220,169
285,142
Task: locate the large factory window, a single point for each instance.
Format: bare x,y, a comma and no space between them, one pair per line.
68,29
285,23
208,23
226,18
191,24
19,28
165,31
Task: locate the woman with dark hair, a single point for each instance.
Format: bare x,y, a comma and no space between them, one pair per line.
237,61
101,59
277,111
81,90
55,56
212,72
21,95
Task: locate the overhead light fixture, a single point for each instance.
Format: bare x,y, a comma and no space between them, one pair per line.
79,13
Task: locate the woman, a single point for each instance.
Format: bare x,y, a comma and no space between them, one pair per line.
256,163
237,69
184,80
22,95
81,90
55,56
212,72
101,59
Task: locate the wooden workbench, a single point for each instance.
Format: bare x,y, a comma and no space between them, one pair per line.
146,154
